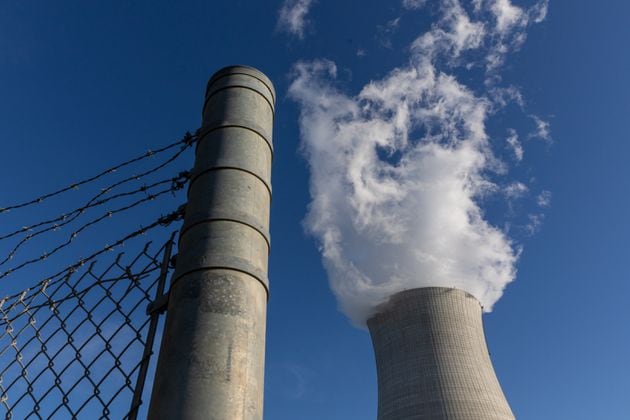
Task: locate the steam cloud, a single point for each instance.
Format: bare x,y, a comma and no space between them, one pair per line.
292,17
397,170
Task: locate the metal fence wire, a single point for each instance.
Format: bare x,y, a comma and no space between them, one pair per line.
79,345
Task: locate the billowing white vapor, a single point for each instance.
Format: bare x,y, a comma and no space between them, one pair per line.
397,169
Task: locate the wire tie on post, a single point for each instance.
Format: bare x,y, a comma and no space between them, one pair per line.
188,138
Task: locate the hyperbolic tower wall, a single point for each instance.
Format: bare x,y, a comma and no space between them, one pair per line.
432,359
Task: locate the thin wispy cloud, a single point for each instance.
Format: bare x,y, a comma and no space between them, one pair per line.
516,146
300,375
508,29
544,199
535,222
539,11
543,129
516,190
385,32
292,17
413,4
507,16
397,169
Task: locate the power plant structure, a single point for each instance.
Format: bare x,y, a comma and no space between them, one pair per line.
431,354
432,359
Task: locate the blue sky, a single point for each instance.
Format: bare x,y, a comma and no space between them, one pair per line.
87,84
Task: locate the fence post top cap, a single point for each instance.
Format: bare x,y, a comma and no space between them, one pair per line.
243,70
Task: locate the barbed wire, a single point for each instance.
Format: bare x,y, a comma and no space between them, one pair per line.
187,141
177,183
25,296
161,221
95,202
176,186
46,329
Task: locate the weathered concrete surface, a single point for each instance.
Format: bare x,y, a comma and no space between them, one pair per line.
432,359
211,362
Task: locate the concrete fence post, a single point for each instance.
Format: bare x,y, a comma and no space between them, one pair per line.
211,361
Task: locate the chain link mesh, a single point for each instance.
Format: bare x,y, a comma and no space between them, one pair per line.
78,345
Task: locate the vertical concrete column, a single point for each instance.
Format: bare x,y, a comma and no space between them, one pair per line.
432,360
211,362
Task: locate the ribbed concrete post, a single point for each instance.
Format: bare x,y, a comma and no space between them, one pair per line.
211,362
432,359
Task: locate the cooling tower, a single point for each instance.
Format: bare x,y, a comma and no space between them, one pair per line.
432,359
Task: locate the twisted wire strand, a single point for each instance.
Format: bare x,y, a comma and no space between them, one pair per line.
65,274
187,141
74,234
176,184
95,202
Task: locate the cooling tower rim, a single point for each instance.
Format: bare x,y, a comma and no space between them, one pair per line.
406,292
437,288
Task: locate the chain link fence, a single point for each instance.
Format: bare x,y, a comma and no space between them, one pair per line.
79,345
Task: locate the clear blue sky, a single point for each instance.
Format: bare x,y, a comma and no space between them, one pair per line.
84,84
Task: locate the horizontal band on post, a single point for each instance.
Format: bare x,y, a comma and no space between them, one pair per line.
245,71
196,176
226,73
237,86
228,262
244,123
223,215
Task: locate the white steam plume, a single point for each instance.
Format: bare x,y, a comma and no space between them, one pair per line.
292,17
397,170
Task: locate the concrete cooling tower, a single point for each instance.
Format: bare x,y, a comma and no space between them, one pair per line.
432,359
